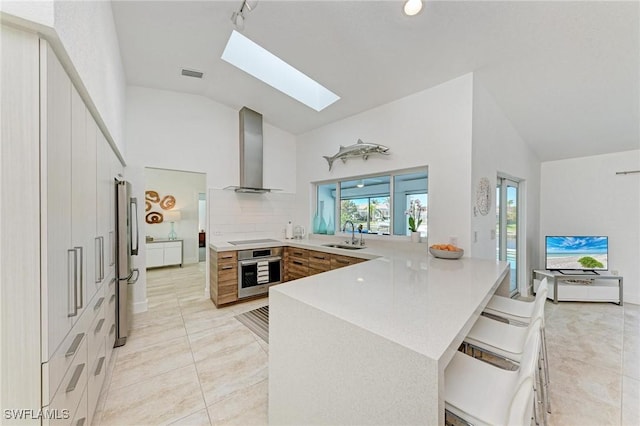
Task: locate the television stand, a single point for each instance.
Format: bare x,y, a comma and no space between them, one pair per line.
570,286
563,272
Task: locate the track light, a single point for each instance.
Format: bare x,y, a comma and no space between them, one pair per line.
238,17
412,7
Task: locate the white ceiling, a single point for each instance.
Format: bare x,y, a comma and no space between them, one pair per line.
565,73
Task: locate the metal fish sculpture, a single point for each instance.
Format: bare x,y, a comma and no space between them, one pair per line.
359,149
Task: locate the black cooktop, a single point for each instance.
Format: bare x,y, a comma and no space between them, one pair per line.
244,242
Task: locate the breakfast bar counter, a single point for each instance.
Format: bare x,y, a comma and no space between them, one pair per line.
368,344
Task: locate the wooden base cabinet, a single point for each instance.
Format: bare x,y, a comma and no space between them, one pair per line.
223,277
296,263
300,263
319,262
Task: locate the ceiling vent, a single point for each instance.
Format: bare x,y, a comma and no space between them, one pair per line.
192,73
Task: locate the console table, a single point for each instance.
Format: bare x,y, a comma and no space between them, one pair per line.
603,287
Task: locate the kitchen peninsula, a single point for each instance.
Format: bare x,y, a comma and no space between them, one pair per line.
369,344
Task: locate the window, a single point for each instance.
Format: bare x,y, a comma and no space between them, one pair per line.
374,204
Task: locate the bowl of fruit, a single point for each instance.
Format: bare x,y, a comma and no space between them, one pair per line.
446,251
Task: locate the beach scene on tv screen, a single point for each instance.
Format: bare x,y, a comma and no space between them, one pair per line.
577,252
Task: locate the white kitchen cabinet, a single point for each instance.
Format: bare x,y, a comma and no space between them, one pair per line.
60,329
164,253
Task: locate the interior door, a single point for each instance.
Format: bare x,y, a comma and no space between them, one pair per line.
508,241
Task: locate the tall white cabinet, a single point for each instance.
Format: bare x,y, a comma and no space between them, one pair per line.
56,348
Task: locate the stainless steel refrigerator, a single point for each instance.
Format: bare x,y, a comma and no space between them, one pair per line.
127,246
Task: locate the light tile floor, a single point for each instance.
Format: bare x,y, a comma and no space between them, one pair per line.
188,363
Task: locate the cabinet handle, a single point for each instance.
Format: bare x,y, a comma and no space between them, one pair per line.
226,257
99,326
113,328
112,258
74,345
99,367
81,422
72,264
224,268
344,262
295,262
81,275
319,257
75,378
96,241
101,258
298,253
98,304
112,298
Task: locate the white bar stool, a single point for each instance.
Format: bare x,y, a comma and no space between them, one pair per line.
482,394
518,312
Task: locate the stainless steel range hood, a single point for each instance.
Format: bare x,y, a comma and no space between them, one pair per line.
250,153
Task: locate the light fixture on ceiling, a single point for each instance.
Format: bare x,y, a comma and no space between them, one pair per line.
238,17
360,184
412,7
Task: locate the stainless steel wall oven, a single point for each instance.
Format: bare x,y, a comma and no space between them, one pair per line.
258,269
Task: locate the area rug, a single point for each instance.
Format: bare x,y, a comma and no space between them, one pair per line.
257,321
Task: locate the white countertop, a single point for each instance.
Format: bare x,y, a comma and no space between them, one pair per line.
369,343
403,294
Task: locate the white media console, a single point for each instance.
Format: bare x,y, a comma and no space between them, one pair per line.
580,287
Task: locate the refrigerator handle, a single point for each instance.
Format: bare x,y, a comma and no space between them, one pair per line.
134,214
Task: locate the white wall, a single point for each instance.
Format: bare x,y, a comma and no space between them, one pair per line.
82,33
87,32
185,187
178,131
432,128
584,196
498,148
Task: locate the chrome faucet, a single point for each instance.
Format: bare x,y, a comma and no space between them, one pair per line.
360,231
353,231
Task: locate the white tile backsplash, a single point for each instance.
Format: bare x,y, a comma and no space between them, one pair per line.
242,216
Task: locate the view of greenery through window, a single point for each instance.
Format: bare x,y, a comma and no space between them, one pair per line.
370,204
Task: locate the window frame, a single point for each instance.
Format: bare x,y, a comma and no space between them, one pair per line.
338,198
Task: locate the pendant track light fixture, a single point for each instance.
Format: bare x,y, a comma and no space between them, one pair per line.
412,7
239,17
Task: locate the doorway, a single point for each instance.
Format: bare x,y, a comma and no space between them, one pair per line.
507,224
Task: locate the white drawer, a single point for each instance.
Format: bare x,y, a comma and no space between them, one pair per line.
97,374
98,329
73,345
73,385
172,244
80,417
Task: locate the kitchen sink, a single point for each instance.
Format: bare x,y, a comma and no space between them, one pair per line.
344,246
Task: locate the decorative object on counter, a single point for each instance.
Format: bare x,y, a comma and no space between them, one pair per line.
446,251
154,217
288,231
483,197
415,237
331,230
299,232
319,225
359,149
415,216
173,216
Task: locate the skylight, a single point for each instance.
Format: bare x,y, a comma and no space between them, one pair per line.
264,65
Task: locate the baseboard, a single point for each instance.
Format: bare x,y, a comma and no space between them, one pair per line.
141,306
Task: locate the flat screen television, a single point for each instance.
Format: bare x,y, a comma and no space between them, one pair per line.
581,253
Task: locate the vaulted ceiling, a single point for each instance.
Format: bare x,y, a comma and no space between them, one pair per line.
566,74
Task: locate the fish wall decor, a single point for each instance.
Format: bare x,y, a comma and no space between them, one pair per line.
359,149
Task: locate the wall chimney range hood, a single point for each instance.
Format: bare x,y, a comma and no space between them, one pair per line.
250,154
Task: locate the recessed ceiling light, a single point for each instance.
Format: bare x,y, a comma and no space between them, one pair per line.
267,67
412,7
